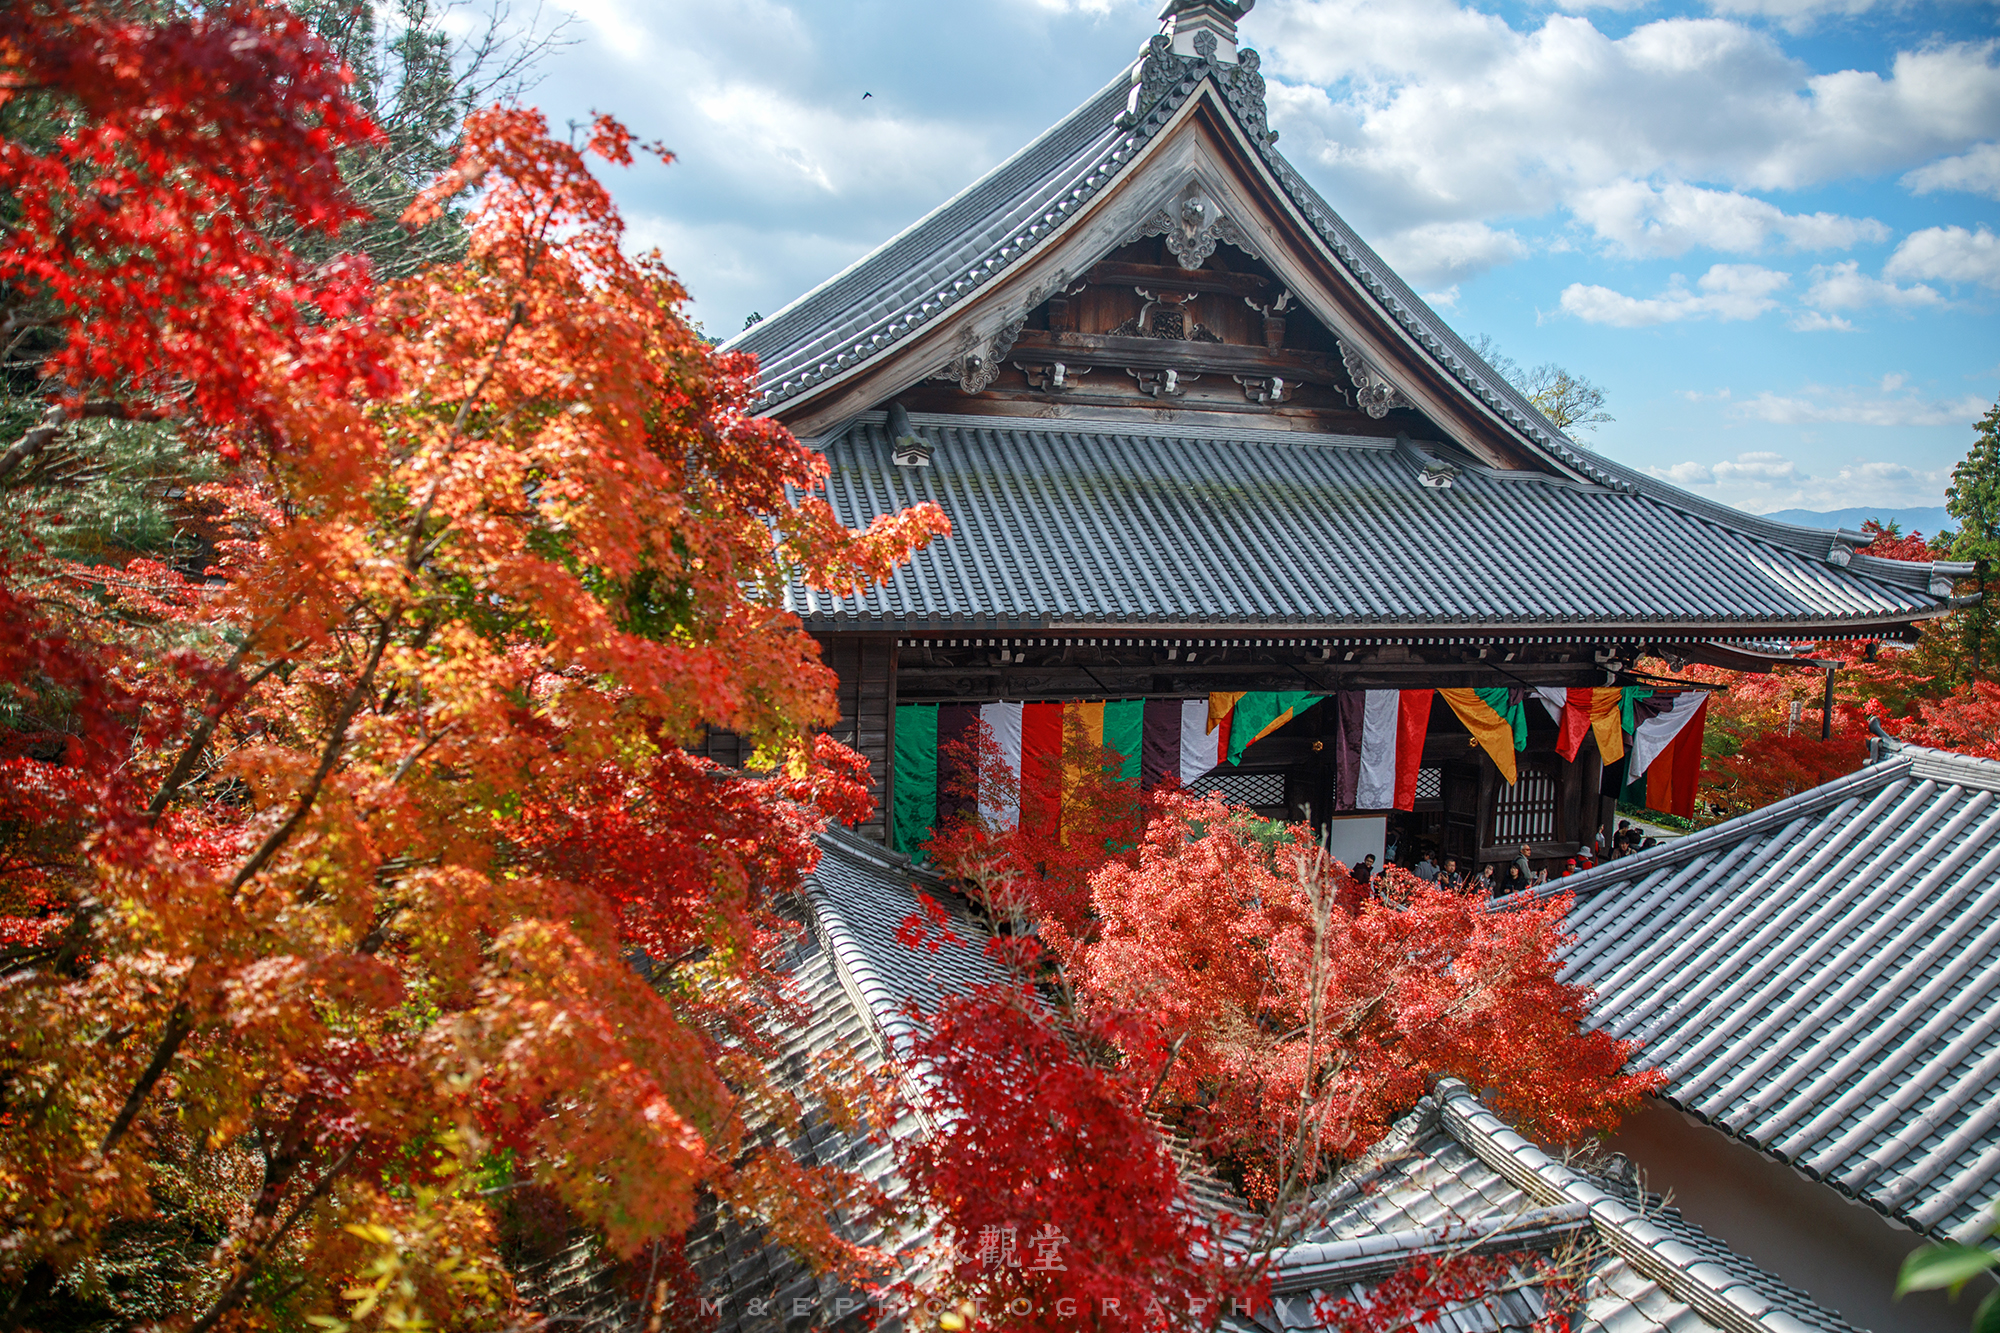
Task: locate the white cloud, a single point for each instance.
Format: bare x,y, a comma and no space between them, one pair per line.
1638,218
1685,474
1725,292
1844,286
834,152
1758,466
1976,172
1430,110
1444,300
1762,480
1660,141
1851,407
1812,321
1948,254
1792,14
1447,252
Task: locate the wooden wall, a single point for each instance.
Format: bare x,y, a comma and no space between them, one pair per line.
866,665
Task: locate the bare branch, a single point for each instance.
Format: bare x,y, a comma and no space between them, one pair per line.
34,441
205,731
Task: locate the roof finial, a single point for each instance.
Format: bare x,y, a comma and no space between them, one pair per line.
1205,28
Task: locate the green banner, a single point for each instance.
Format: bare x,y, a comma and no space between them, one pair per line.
916,775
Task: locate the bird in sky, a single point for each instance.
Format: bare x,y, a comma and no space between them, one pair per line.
866,96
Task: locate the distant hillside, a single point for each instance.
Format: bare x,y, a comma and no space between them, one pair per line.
1926,521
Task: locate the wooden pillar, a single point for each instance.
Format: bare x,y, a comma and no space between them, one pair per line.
1571,817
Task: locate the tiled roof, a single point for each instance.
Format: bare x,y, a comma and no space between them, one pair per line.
961,247
931,268
860,893
1452,1176
853,976
1112,525
964,246
756,1283
1821,978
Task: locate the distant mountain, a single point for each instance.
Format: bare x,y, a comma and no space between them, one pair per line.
1927,521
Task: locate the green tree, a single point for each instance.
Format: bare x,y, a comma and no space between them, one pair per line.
105,491
418,82
1952,1265
1973,498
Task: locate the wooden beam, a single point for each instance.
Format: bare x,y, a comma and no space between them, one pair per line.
1165,277
1187,358
1173,680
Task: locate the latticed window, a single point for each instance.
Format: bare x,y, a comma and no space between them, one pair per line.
1526,811
1430,784
1242,788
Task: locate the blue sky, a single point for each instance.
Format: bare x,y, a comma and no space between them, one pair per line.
1766,227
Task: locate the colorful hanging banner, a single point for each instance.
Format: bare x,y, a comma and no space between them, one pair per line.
1661,719
1579,712
1255,714
935,744
1496,720
1378,738
1175,742
915,795
1666,754
1379,748
1000,801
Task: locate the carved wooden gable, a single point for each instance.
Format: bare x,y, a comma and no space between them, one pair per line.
1152,254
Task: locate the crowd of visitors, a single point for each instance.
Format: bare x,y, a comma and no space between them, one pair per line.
1515,875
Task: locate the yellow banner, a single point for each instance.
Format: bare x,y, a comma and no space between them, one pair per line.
1607,721
1220,704
1494,734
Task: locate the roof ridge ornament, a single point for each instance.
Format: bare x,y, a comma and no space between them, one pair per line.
1204,28
978,360
1197,41
1191,229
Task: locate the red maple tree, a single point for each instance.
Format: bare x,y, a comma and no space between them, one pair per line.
322,876
1229,986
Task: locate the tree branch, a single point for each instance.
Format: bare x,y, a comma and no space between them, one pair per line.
58,416
37,439
247,1266
334,742
198,743
179,1024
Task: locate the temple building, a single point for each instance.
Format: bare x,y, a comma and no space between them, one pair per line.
1198,443
1228,495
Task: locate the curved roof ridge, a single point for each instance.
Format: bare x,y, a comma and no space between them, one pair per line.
961,247
1705,841
1819,979
1736,1296
1954,766
943,234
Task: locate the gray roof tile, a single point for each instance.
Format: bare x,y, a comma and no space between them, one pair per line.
1112,525
946,256
927,271
1453,1165
1822,979
1450,1165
